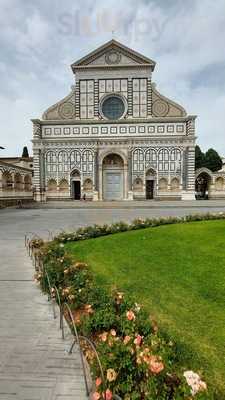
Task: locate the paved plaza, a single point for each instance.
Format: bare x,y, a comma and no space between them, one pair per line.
34,363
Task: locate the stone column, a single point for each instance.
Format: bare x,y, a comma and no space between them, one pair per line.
191,169
1,184
211,187
96,180
100,181
129,170
189,189
36,177
126,184
36,159
189,193
23,183
95,186
1,181
130,191
13,182
182,170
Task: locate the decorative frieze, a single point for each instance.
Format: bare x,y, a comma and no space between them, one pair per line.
116,129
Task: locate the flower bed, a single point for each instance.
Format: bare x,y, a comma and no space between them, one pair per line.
138,361
95,231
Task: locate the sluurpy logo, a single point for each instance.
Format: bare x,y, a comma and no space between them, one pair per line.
78,23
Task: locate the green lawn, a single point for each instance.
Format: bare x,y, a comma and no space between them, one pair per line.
178,272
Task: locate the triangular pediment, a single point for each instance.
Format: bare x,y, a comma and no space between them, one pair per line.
113,53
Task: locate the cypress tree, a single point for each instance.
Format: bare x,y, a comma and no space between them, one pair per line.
199,158
213,160
25,153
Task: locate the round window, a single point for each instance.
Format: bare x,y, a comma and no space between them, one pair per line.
113,107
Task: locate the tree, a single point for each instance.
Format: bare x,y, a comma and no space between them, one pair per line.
199,158
25,153
213,160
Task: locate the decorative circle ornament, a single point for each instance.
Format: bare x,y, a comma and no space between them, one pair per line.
160,108
113,57
67,110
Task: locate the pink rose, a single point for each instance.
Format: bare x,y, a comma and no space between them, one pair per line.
138,340
89,309
155,365
98,382
103,336
130,315
138,360
96,396
126,339
108,395
113,332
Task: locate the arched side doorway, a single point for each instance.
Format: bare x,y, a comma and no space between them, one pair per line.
202,185
150,179
7,181
75,185
113,177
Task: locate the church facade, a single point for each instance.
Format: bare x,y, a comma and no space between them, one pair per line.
114,137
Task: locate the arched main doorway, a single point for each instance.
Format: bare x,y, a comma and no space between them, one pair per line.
202,185
113,177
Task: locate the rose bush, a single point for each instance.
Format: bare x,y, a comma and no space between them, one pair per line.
95,231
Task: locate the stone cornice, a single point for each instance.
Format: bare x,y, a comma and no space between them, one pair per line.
16,167
116,122
163,141
111,67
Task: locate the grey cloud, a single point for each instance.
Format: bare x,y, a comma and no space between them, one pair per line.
40,39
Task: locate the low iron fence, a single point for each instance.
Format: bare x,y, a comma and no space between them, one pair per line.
65,310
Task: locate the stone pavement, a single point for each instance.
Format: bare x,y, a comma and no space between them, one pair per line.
145,204
34,362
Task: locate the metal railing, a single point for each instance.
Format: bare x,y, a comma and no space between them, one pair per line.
64,308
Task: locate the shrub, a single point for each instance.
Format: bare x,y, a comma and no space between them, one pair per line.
98,230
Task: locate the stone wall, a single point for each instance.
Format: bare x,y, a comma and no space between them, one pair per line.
15,182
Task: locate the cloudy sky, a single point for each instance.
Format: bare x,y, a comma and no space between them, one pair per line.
41,38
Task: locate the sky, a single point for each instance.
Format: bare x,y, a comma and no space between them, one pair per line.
40,39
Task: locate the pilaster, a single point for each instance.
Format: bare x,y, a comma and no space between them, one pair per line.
77,99
149,98
100,181
130,97
126,181
36,177
96,98
189,192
